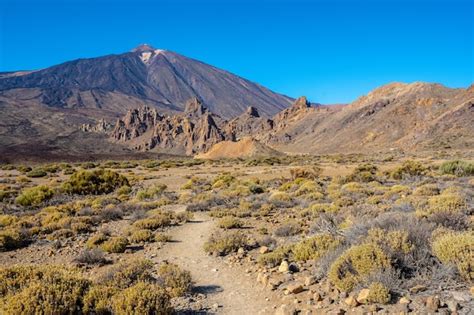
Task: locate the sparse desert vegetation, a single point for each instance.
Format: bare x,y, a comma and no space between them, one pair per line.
387,236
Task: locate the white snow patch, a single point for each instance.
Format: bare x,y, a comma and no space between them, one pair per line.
145,56
159,51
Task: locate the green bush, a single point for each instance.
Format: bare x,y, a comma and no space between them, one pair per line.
315,247
274,258
224,244
230,222
96,240
457,249
176,281
98,300
154,222
409,169
41,290
457,167
11,239
37,172
142,298
116,244
378,293
151,192
94,182
355,264
34,196
141,236
363,173
126,274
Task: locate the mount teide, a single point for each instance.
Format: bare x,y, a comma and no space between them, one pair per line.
155,77
40,111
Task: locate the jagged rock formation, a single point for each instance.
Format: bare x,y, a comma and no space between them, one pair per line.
193,131
248,124
418,116
196,130
101,127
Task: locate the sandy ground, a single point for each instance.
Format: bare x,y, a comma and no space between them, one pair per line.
231,288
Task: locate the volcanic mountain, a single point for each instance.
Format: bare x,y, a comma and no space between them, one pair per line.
145,76
40,110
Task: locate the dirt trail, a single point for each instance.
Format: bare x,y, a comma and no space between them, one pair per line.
231,288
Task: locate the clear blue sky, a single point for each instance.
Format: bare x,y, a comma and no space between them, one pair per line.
330,51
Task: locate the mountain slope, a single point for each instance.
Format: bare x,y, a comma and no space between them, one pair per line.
155,77
416,116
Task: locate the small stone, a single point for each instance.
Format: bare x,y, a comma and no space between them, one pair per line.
432,303
294,289
293,267
284,267
363,295
241,251
404,300
263,250
418,288
285,310
351,301
472,291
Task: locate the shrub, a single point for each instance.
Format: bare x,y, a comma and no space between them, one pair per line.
96,240
446,202
128,273
6,220
309,173
230,222
395,241
154,222
38,172
94,182
274,258
11,239
356,263
142,298
408,169
41,290
176,281
223,181
315,247
140,236
162,238
34,196
224,244
116,244
151,192
426,190
457,167
457,249
363,173
288,229
378,293
98,300
91,257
